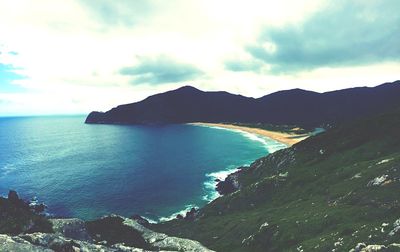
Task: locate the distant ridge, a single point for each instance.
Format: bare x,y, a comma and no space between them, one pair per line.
295,106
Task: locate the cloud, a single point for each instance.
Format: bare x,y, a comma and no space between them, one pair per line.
244,66
345,33
161,70
122,12
85,50
8,76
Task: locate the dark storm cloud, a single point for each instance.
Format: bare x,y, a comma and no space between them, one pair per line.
345,33
161,70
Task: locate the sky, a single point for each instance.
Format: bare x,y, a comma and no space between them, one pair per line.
72,57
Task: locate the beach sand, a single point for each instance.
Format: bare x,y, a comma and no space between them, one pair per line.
285,138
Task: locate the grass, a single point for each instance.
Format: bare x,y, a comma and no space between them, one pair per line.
325,202
291,129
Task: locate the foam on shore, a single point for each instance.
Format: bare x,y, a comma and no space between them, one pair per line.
181,212
210,184
270,144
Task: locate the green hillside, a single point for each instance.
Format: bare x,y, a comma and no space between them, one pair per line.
327,193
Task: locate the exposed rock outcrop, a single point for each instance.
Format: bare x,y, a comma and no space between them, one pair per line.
71,228
16,244
164,242
362,247
140,220
229,185
72,235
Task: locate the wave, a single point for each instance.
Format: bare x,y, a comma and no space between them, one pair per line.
151,221
270,144
181,212
210,184
8,168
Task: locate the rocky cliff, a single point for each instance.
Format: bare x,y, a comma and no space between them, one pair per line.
20,232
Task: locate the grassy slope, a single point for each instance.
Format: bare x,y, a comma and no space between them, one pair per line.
324,199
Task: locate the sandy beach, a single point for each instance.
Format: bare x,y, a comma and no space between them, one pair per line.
285,138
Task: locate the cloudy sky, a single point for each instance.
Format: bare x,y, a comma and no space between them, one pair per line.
80,55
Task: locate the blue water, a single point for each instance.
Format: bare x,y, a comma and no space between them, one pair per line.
87,171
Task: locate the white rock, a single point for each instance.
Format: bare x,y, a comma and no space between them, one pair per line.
384,161
373,248
396,227
378,180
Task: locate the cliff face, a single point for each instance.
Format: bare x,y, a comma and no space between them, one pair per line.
296,107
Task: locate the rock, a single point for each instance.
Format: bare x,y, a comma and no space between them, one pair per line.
192,214
13,196
164,242
16,244
359,247
179,244
394,246
378,180
112,230
140,220
62,244
396,227
362,247
71,228
373,248
179,216
229,185
38,208
123,248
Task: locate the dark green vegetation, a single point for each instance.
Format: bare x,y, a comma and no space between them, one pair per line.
16,217
112,230
290,107
291,129
330,191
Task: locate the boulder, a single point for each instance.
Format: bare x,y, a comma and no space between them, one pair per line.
164,242
57,242
192,214
13,196
16,244
229,185
71,228
140,220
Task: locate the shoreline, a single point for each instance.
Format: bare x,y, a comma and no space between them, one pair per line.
285,138
211,178
214,178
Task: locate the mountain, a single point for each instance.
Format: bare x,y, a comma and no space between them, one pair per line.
296,107
335,191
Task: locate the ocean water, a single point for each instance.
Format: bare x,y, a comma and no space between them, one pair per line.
87,171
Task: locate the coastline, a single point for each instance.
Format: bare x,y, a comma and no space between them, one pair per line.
285,138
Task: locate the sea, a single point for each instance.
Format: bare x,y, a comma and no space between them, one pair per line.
91,170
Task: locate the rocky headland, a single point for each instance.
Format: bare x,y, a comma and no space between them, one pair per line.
24,228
